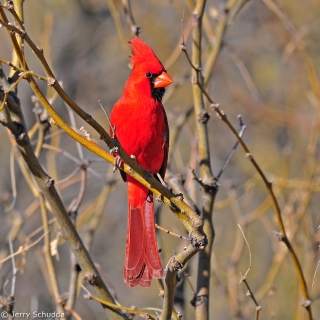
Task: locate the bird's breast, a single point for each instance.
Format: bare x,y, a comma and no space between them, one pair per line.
141,130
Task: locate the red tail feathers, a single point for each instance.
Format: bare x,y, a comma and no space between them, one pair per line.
142,257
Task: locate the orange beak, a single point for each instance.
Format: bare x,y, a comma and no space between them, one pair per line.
162,80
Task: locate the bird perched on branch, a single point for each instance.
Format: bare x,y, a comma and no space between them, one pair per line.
141,127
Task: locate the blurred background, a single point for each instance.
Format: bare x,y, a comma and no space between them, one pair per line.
267,70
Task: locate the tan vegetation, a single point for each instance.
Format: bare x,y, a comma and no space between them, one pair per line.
63,210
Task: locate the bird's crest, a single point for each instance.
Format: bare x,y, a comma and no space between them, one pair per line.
143,54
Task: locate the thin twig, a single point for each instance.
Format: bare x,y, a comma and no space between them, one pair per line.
245,239
4,102
13,181
74,127
22,249
115,306
243,278
110,124
315,274
250,294
73,312
243,71
44,127
118,24
135,30
75,268
48,257
171,233
14,85
242,129
231,8
14,67
82,190
14,268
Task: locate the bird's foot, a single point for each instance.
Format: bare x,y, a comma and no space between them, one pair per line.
118,163
159,198
161,180
147,175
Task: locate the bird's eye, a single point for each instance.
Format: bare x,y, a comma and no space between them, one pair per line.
149,75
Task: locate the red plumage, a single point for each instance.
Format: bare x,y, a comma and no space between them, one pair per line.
141,127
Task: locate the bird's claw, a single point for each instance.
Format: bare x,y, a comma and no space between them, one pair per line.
161,180
159,198
179,196
117,164
114,150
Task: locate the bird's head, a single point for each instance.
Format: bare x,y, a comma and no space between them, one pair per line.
148,72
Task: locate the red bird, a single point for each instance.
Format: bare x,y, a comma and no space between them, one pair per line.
141,126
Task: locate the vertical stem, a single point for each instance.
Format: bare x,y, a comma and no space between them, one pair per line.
48,258
75,268
202,132
135,30
203,280
18,6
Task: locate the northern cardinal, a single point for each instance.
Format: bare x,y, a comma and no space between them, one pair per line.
141,127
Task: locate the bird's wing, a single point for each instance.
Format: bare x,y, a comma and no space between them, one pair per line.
163,168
